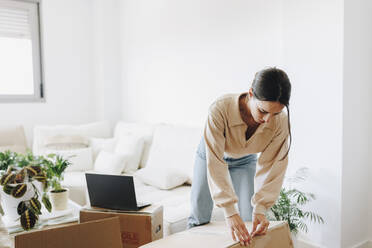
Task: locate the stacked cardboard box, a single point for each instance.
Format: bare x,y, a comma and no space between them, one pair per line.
216,234
137,228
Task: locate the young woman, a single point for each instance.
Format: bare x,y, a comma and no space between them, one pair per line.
226,167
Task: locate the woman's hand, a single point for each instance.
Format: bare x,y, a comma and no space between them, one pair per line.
238,229
260,221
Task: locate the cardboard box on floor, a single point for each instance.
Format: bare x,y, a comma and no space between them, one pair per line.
94,234
216,234
137,227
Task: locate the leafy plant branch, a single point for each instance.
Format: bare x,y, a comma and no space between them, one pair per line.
289,206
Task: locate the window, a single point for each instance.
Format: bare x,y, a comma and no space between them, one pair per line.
20,51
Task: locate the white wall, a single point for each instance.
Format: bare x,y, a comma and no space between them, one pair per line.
312,55
178,56
107,60
81,63
68,66
357,119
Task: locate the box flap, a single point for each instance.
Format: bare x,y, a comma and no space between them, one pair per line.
278,236
94,234
216,234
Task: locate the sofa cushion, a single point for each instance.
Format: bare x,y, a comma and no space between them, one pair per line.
109,163
96,129
76,183
130,147
66,142
74,179
143,130
81,159
173,150
176,202
162,178
102,144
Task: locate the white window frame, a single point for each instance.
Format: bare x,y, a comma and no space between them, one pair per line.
37,58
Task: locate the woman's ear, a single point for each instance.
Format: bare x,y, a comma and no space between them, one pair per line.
250,93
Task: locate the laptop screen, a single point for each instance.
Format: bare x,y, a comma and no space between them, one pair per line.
111,191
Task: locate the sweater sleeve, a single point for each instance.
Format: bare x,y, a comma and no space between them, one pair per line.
219,179
270,170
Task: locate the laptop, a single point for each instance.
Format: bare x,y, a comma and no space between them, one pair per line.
115,192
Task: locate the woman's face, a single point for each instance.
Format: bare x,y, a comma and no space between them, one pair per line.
263,111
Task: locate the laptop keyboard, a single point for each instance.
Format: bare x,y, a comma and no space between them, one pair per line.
140,204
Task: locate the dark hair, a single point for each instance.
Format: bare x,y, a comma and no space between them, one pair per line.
272,84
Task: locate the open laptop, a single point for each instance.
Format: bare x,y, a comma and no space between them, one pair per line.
114,192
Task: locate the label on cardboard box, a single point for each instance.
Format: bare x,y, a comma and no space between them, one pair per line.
137,227
94,234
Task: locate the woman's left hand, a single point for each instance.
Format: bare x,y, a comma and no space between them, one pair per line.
260,225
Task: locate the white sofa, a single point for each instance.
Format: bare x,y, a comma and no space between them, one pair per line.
159,156
12,137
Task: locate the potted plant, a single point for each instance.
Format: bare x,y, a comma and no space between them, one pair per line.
23,187
55,168
288,207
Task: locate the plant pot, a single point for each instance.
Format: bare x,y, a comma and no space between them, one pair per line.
59,200
10,203
294,240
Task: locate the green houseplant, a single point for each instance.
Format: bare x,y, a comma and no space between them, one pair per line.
55,167
288,207
290,203
24,184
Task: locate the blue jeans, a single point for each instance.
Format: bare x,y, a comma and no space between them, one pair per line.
242,171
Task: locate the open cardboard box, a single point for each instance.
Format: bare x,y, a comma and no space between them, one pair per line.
216,234
137,227
93,234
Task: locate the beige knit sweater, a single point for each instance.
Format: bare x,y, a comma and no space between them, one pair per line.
224,133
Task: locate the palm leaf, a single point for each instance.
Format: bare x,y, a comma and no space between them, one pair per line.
288,208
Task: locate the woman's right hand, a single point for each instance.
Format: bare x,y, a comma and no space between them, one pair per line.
238,229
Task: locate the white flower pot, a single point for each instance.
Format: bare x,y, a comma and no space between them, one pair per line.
10,203
59,200
294,240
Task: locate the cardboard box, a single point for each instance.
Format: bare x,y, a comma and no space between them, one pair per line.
216,234
94,234
137,227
